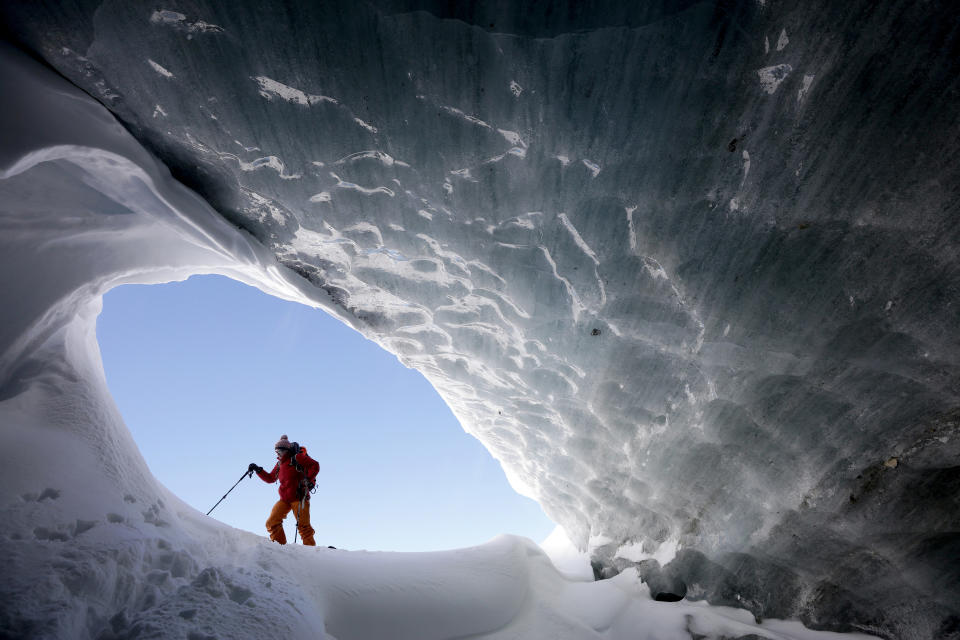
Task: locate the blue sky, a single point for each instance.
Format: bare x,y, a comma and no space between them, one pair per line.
208,374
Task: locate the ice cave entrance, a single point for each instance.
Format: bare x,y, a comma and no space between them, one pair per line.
208,373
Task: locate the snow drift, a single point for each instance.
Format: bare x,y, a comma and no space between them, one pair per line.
688,271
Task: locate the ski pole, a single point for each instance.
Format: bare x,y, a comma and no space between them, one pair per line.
296,529
246,474
302,500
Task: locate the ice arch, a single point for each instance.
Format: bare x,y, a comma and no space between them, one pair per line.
85,208
662,260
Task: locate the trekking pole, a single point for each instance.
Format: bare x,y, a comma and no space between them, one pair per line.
246,474
302,500
296,465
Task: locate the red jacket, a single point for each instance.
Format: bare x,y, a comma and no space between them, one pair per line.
290,477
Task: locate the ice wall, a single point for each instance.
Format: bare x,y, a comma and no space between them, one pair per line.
689,270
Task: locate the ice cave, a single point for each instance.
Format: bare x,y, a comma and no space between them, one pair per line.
688,269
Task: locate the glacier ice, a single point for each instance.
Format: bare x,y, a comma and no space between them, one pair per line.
691,290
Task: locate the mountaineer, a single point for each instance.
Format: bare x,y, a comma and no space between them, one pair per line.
297,473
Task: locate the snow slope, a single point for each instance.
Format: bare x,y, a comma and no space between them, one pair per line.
94,547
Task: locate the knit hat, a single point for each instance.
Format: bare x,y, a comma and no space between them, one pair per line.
283,443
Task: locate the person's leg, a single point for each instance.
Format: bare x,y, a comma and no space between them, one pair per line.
275,522
303,522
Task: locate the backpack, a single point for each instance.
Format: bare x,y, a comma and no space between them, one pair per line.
308,484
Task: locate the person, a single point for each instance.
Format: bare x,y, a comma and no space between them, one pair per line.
296,472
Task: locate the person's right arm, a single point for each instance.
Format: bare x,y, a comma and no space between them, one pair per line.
270,477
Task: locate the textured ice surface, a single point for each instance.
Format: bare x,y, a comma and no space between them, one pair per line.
689,288
103,551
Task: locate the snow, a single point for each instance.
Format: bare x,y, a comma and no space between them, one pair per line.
805,87
366,125
771,77
160,69
467,117
270,88
99,547
179,22
783,40
384,158
367,191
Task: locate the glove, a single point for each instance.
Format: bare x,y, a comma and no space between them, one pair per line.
253,467
295,448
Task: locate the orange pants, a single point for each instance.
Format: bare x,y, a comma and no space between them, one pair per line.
280,511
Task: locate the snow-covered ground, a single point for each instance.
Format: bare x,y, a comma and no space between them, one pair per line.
93,546
163,570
